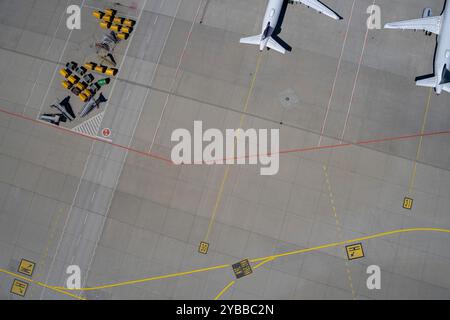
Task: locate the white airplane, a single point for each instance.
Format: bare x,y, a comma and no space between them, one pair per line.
274,7
439,25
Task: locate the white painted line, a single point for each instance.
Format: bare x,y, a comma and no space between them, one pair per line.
336,76
147,94
135,75
121,14
91,126
90,153
54,75
63,14
104,139
100,174
355,82
78,241
172,87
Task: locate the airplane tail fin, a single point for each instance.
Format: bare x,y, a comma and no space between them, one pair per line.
272,44
431,82
252,40
258,40
446,87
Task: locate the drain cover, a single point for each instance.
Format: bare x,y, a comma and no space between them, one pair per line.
288,99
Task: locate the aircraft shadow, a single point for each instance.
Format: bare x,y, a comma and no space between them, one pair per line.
435,52
278,28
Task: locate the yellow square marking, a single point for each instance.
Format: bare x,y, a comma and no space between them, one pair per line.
19,288
354,251
242,268
408,203
26,267
203,247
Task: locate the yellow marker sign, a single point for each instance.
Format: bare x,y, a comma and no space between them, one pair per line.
242,269
19,288
408,203
354,251
203,247
26,267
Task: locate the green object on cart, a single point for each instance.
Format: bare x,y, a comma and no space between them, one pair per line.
103,82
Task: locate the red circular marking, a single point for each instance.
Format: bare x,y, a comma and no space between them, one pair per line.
106,133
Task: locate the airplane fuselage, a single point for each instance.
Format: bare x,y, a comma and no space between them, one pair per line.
267,38
442,59
270,21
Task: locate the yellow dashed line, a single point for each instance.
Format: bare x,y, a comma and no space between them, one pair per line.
339,229
419,148
227,169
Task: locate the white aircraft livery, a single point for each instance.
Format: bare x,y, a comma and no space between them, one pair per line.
274,7
439,25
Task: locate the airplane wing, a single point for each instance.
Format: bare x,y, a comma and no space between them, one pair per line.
319,6
430,24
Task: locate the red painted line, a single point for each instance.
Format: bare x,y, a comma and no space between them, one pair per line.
341,145
17,115
169,161
373,141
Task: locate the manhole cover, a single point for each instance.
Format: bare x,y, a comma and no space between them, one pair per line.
288,99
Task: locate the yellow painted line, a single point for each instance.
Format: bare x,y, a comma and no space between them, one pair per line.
227,169
233,282
217,203
250,91
59,290
167,276
339,229
263,263
263,259
224,290
340,243
419,148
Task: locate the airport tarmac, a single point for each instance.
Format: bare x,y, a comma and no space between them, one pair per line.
357,137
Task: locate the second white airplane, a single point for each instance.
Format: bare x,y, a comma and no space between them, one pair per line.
274,7
439,25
